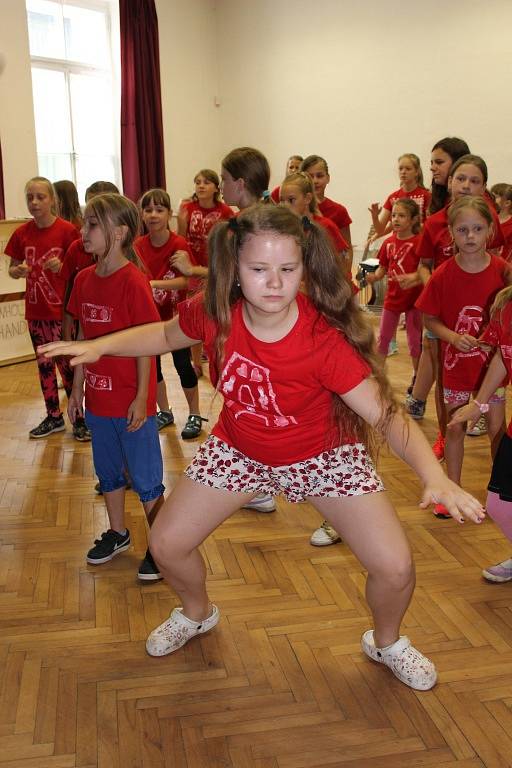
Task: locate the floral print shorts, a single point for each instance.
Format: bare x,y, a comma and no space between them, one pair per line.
344,471
456,397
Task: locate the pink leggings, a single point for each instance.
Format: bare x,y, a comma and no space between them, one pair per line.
42,332
388,325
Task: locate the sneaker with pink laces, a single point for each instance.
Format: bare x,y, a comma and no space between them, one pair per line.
500,572
406,663
177,630
441,512
438,447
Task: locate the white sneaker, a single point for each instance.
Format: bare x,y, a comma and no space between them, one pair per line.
324,536
480,428
178,630
262,503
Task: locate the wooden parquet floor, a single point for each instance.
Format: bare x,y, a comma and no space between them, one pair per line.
281,682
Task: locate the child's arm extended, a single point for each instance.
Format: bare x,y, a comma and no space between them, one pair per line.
175,284
76,398
373,277
464,342
142,340
410,444
137,411
492,380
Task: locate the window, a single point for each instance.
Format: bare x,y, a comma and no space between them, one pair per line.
76,89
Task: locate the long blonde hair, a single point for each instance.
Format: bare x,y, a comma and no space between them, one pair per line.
326,287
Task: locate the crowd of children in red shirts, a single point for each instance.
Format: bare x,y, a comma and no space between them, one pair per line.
446,260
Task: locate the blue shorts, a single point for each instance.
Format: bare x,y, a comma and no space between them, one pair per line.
431,336
115,450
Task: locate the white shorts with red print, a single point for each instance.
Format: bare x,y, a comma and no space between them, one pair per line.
344,471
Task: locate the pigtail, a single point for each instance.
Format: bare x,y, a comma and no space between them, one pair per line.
332,296
222,287
502,299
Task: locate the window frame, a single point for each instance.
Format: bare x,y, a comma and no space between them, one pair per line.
70,67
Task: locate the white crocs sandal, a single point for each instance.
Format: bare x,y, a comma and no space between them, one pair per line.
406,663
178,630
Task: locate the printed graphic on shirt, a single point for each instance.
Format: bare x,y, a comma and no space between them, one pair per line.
506,351
200,225
161,296
98,381
469,321
250,383
397,254
96,313
38,277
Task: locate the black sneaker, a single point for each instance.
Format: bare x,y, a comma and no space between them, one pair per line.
164,419
110,545
47,426
193,427
80,431
148,569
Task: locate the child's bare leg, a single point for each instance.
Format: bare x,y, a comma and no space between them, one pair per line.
196,352
187,517
442,418
454,445
192,395
114,502
161,397
425,375
496,426
369,525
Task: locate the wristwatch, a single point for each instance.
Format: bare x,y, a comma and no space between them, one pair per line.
482,407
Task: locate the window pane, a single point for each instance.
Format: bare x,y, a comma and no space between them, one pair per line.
91,168
46,28
92,114
51,110
55,166
86,36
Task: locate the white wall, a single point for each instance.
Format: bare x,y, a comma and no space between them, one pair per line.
362,81
17,132
188,71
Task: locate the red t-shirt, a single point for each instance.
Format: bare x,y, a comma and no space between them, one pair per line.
436,243
339,242
399,257
461,300
75,259
156,259
499,334
45,290
420,195
278,396
336,212
506,250
200,222
104,305
276,194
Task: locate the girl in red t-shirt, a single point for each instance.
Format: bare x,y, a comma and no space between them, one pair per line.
411,186
37,249
498,335
169,285
456,303
120,393
504,203
298,193
398,258
316,167
304,395
468,176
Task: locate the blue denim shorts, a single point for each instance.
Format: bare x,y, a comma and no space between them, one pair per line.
115,450
431,336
